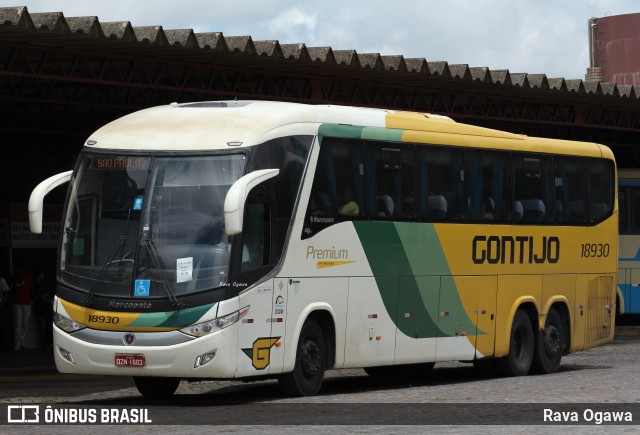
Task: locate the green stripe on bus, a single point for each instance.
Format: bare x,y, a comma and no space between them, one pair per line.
172,319
432,261
337,130
414,279
355,132
150,319
385,134
405,304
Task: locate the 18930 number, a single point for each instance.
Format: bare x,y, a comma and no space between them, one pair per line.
104,319
595,250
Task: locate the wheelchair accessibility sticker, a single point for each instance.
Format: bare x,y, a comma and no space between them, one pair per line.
137,203
142,287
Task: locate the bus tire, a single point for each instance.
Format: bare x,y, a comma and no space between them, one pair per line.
549,345
521,347
156,388
308,372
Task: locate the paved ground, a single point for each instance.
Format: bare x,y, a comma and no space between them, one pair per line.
602,374
604,378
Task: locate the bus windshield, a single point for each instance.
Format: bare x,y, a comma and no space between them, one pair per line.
148,226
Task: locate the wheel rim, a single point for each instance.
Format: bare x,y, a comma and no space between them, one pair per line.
310,360
552,340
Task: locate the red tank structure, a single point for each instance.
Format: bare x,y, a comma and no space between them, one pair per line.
614,45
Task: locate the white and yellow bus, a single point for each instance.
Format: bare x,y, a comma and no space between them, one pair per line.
249,239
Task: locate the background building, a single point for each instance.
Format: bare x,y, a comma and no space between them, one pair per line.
614,48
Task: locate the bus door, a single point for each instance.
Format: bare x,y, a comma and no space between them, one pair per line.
255,340
263,326
625,283
371,333
466,314
632,302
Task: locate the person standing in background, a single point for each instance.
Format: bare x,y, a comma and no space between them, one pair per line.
5,315
42,306
21,284
4,292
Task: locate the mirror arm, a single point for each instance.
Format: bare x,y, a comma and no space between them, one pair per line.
37,198
237,196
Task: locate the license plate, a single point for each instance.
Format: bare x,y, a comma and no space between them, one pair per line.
129,360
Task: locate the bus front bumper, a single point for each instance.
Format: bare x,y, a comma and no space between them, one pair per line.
183,360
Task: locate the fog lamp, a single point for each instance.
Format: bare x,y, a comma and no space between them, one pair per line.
204,359
64,353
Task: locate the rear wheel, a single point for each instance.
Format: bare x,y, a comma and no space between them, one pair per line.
521,347
549,345
156,388
307,375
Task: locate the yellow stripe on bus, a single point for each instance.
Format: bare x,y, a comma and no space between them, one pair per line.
324,264
107,320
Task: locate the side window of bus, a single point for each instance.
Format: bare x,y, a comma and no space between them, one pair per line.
602,189
391,181
289,154
570,190
634,212
337,193
532,186
256,239
488,186
441,184
623,211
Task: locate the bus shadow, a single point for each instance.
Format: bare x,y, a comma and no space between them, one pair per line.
628,320
269,392
578,367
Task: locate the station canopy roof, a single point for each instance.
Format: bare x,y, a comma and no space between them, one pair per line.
54,29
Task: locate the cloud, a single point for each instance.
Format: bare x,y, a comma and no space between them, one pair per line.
293,24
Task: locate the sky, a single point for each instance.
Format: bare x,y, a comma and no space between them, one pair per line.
524,36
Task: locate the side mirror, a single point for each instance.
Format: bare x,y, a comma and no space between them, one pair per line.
37,197
237,196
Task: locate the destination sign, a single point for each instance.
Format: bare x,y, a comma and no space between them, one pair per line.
112,163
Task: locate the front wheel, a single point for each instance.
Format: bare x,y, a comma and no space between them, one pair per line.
156,388
308,372
549,345
521,347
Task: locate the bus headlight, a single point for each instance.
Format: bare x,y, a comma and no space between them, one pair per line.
214,325
66,324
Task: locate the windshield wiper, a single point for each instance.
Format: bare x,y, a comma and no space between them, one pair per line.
159,266
122,240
